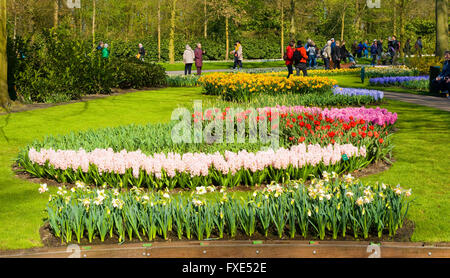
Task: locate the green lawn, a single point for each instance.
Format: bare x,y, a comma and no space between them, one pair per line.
421,152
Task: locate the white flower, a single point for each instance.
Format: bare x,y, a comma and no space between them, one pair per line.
61,191
80,184
197,202
101,193
211,188
254,194
328,196
408,192
166,195
116,192
348,178
99,200
309,213
73,189
334,175
86,202
43,188
200,190
360,201
398,190
117,203
383,186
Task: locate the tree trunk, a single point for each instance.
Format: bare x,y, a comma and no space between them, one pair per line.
282,29
5,101
441,27
292,30
159,30
343,25
206,22
93,21
403,4
394,18
226,38
55,13
172,33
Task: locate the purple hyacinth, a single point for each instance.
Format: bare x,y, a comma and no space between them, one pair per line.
377,95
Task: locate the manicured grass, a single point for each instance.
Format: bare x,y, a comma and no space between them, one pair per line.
421,152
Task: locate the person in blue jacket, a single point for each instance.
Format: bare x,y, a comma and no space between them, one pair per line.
442,81
374,52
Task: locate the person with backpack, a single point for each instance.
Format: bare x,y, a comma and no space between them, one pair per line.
326,55
289,57
188,59
360,50
311,54
336,56
300,58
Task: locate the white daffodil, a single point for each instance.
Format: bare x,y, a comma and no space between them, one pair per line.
211,188
166,195
197,202
117,203
348,178
99,200
86,202
116,192
80,184
309,213
360,201
43,188
408,192
200,190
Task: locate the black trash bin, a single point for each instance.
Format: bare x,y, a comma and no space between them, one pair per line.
434,72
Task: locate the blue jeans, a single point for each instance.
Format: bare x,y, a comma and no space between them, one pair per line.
312,61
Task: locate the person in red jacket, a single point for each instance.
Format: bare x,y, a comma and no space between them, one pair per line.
300,59
288,57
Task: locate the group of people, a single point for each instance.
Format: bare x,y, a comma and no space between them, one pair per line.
190,56
303,56
392,53
442,81
103,48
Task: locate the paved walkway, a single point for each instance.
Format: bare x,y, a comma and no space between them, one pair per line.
194,71
434,102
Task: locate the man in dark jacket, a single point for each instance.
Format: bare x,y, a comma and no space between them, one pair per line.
379,50
442,82
336,55
374,52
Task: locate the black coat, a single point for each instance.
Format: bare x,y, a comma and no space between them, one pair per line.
336,53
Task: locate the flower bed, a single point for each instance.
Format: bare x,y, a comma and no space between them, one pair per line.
317,72
244,86
411,82
373,72
330,140
376,95
193,169
332,206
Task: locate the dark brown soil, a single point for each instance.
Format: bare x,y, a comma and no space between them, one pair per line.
20,107
403,235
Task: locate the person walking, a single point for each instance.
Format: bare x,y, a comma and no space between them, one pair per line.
374,52
379,50
419,46
396,46
366,49
344,52
336,56
188,59
141,52
300,58
198,55
311,54
354,48
407,48
326,55
105,51
289,57
360,51
238,55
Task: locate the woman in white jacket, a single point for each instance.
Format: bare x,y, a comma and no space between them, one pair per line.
188,60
